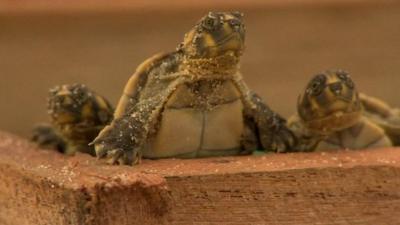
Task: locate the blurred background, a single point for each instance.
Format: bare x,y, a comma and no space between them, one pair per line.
99,43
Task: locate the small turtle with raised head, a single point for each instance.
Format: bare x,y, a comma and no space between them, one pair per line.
193,102
77,115
330,116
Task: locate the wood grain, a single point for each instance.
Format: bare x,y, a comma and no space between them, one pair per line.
346,187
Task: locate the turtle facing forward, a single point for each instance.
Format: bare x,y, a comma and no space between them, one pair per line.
77,115
193,102
330,116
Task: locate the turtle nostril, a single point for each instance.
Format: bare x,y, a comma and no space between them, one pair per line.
336,87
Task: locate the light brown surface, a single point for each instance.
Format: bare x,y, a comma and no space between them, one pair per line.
347,187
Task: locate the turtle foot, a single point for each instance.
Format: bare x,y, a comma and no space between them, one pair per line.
117,156
46,137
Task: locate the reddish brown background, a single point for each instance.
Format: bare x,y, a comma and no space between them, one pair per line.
100,45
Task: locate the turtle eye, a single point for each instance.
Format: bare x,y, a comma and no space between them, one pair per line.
344,77
210,22
79,92
317,85
350,83
316,88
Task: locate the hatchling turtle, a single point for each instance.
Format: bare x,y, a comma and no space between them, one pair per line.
330,116
193,102
385,116
77,116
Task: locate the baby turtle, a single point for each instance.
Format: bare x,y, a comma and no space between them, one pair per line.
77,116
330,116
193,102
385,116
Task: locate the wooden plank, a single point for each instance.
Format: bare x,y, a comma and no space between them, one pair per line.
345,187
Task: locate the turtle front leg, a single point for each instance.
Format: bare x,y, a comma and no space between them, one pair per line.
271,129
274,135
45,136
118,156
122,141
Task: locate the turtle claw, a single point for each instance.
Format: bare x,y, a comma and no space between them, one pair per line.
100,149
118,156
285,140
114,156
281,140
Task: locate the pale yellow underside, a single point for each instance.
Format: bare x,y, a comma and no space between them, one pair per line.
363,135
189,132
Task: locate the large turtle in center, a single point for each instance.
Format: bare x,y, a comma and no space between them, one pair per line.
193,102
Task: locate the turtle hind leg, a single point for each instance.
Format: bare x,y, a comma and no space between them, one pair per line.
45,136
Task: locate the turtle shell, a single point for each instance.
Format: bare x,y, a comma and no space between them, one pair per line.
194,113
199,119
383,115
137,81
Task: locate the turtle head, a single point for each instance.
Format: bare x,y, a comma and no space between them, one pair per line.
216,34
66,103
330,102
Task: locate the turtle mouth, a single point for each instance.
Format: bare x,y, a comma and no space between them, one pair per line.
341,105
237,35
335,116
64,118
65,113
232,42
336,121
339,108
343,98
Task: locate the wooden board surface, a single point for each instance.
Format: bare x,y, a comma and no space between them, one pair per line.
344,187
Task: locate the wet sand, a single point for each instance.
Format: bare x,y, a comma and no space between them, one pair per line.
285,46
